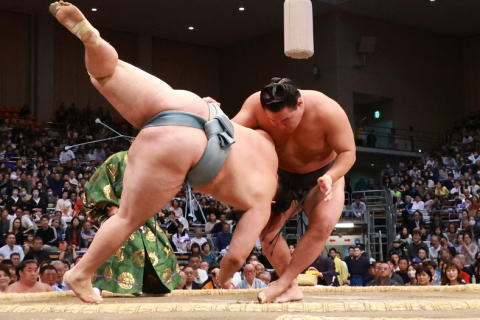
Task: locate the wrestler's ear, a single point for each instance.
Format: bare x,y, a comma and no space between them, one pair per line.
300,102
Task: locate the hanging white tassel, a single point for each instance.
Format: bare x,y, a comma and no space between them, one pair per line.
298,20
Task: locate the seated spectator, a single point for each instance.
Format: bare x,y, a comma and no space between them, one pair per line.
218,228
65,206
459,263
383,273
59,283
88,234
212,221
464,268
417,222
452,233
73,234
259,268
37,252
5,277
207,254
48,275
204,265
433,251
358,207
212,209
441,190
403,270
176,209
393,275
14,201
198,237
429,202
416,245
7,250
200,275
68,254
48,235
265,277
361,185
452,275
172,223
432,267
404,236
28,271
26,222
51,199
181,285
17,230
423,276
190,284
224,238
37,205
418,204
181,240
437,222
249,281
15,258
422,255
324,269
468,248
56,225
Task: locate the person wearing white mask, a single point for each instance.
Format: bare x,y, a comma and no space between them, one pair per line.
51,199
412,275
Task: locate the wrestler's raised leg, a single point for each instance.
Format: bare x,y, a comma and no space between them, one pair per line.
135,94
281,257
152,178
322,218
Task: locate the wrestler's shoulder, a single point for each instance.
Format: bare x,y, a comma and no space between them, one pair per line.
321,105
253,101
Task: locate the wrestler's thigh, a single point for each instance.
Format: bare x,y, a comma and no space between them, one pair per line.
323,216
138,96
155,171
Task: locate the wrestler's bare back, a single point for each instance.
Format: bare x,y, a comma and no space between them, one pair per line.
308,147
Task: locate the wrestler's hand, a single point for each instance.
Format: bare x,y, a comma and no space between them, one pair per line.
112,211
325,183
211,100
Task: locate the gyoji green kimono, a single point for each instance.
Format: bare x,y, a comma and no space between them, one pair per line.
146,262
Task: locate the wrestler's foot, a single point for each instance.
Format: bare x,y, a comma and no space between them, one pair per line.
70,17
293,293
271,293
82,286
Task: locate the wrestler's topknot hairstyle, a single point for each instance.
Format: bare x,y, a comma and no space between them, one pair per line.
280,93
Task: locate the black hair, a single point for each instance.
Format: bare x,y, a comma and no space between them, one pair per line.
280,93
37,239
420,269
7,262
6,269
44,217
46,267
24,263
333,249
403,258
195,255
283,197
14,254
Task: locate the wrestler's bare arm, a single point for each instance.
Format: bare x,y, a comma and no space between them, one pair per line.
340,138
247,116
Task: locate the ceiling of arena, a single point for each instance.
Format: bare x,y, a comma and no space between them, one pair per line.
220,23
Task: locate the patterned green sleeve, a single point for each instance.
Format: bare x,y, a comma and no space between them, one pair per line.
104,189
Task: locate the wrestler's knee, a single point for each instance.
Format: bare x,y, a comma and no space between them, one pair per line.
233,261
